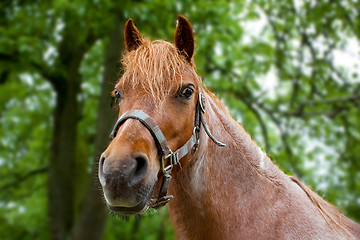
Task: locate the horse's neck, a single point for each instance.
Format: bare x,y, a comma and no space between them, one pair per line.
221,181
240,165
236,192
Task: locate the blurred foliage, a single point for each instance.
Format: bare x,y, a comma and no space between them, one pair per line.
288,71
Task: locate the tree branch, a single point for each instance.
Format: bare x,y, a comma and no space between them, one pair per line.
52,76
23,178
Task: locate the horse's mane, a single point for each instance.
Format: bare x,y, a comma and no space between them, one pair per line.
157,67
328,211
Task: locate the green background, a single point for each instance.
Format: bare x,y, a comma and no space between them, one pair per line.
287,70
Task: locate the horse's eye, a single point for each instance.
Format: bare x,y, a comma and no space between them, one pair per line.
117,94
186,93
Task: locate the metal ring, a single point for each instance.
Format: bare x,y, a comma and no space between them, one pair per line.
196,131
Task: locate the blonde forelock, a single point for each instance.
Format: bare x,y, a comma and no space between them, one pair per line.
156,67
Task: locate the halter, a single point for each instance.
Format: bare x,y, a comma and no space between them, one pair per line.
167,155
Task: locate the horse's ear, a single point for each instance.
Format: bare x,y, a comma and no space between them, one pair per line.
133,38
184,37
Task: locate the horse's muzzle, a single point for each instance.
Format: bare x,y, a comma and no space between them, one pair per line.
122,180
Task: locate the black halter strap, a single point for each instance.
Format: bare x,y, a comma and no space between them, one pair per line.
168,156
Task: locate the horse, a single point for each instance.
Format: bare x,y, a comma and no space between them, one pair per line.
175,143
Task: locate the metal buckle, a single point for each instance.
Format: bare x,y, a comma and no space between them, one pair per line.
168,168
196,133
160,202
174,159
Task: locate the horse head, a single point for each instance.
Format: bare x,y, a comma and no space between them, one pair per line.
158,94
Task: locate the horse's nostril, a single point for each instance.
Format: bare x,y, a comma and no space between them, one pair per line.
101,171
140,170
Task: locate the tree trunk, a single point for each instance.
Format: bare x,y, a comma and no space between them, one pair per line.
92,218
62,161
66,80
